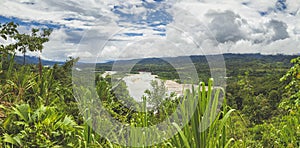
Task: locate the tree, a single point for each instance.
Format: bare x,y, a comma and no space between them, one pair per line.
8,31
274,98
121,93
32,42
246,91
157,94
24,42
293,86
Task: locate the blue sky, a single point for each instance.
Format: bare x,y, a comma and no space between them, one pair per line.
110,29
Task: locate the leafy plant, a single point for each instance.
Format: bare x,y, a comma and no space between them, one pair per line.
206,116
43,127
293,86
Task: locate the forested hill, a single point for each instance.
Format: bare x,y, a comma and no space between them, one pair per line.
230,60
35,60
236,64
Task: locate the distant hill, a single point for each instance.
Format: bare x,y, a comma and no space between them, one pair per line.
236,64
229,59
35,60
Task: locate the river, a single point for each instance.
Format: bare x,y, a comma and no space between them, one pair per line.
138,83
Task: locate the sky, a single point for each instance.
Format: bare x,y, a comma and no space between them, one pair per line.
101,30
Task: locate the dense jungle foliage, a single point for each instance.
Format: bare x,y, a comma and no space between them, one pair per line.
38,107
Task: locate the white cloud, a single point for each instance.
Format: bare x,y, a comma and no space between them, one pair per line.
239,28
226,26
198,27
83,12
280,30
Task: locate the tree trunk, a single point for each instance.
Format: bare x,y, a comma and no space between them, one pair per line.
24,58
40,67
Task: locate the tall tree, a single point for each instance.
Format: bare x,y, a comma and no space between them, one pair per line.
32,42
8,31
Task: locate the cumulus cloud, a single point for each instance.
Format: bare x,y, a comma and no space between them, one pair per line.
243,29
111,29
280,30
226,26
230,27
75,14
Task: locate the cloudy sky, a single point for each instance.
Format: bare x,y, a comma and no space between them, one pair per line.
108,29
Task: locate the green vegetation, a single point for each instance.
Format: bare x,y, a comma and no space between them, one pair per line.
260,107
